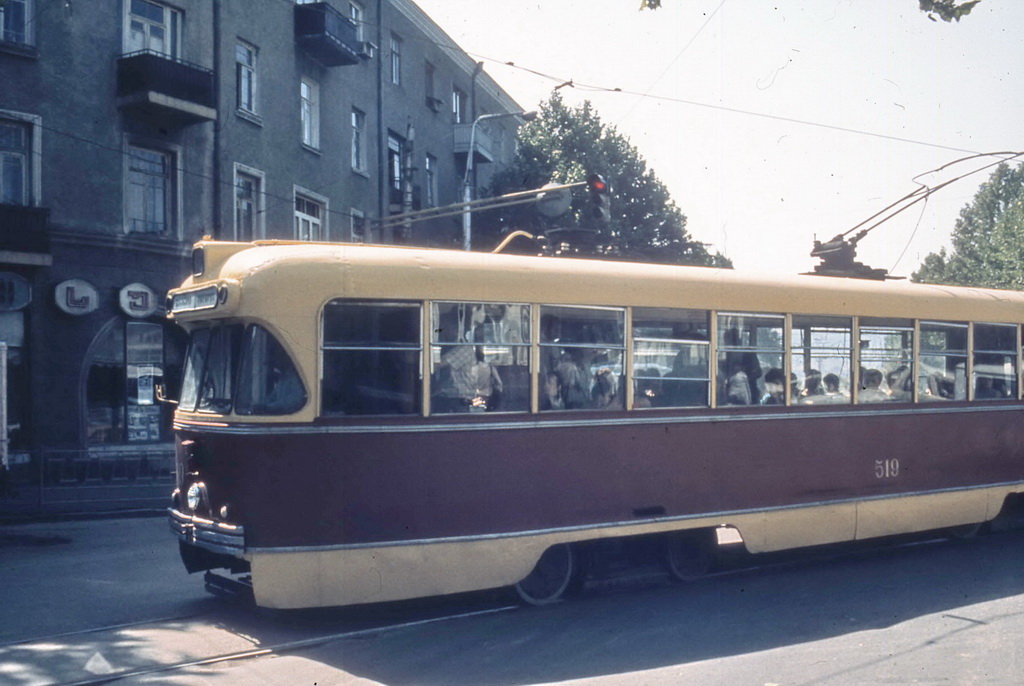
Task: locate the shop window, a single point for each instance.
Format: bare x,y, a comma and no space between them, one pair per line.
125,365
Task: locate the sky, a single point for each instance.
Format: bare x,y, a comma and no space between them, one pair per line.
775,123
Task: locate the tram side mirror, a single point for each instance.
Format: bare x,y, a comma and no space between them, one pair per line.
161,395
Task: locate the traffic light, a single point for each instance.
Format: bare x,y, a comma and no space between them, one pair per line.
599,206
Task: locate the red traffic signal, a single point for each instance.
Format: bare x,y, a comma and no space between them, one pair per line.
599,206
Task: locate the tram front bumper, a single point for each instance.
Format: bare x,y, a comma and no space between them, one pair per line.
216,537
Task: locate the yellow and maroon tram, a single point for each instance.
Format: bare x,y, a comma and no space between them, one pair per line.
360,423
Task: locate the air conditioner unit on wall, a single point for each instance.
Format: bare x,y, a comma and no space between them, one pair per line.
366,50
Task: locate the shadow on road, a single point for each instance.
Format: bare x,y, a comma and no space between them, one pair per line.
623,630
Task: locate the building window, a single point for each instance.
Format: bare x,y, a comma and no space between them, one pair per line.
396,60
154,26
430,170
355,13
309,92
309,218
358,233
16,21
458,105
248,204
245,73
395,146
151,192
428,85
358,140
14,163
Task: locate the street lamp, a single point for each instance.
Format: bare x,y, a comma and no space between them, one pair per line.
467,189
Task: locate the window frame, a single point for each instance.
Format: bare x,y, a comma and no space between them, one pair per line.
259,229
172,191
173,16
358,142
396,46
247,80
309,197
309,113
31,173
27,33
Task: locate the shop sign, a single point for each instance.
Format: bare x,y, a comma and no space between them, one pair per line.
138,300
15,292
77,297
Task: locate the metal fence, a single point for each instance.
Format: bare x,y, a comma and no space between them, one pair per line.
59,480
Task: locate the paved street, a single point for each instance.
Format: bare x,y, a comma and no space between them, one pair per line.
950,613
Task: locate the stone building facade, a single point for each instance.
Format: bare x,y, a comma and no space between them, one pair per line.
129,129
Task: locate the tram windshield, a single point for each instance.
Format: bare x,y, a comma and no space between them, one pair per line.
242,368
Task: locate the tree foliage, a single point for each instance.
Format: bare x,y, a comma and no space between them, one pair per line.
988,238
563,145
946,10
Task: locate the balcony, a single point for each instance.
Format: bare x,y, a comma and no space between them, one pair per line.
165,90
327,35
483,143
24,238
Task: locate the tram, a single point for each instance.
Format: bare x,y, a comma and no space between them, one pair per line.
359,424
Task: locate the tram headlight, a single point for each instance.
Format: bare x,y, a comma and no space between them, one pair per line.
194,496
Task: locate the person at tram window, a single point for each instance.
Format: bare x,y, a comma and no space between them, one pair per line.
551,395
775,387
573,381
747,361
606,390
648,389
737,386
900,384
871,387
832,386
812,387
487,385
454,382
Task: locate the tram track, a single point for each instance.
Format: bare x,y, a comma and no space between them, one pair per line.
275,649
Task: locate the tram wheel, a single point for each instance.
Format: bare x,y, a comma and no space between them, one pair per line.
550,578
688,555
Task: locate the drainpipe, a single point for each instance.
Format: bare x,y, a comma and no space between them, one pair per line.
217,205
382,187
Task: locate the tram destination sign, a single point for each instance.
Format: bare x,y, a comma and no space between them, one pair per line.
203,299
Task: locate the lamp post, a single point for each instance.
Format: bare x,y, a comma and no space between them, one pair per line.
467,188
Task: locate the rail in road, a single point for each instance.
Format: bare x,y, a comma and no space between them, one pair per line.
196,637
160,648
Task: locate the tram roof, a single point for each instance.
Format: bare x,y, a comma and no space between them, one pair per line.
283,275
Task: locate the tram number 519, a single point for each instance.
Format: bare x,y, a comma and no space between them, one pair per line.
887,469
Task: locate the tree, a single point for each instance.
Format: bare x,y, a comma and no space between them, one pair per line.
946,10
564,145
988,238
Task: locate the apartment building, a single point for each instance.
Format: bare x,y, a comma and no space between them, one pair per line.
131,128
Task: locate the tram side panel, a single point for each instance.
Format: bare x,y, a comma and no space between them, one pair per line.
363,488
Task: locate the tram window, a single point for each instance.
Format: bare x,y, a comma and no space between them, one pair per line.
886,360
208,382
479,357
995,362
821,354
268,382
581,352
670,358
751,349
371,358
942,371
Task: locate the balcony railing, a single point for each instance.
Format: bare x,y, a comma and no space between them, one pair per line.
483,143
327,35
154,84
24,229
